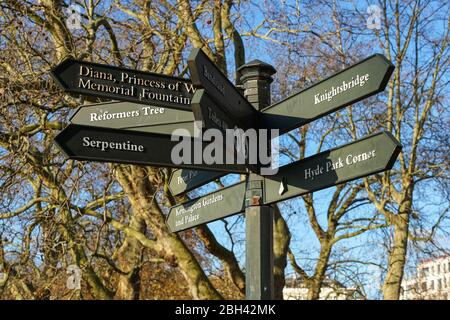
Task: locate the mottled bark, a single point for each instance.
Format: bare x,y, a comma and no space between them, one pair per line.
398,252
129,261
136,183
316,281
281,241
226,256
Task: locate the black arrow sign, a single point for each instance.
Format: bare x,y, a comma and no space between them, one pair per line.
132,147
207,110
115,83
205,74
370,155
353,84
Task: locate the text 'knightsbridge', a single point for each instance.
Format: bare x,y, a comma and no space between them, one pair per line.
329,94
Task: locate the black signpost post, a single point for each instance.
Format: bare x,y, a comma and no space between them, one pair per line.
138,129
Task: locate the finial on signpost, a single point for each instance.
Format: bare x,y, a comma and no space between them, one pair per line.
256,77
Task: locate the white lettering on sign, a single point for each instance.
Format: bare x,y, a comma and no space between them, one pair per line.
329,94
144,111
101,87
184,178
149,111
208,75
147,94
132,85
109,145
214,118
92,73
188,214
329,166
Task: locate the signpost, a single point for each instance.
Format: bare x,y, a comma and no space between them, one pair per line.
353,84
213,206
131,147
184,180
134,117
137,132
355,160
104,81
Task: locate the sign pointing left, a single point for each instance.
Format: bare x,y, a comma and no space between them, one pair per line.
216,205
132,147
182,180
115,83
134,117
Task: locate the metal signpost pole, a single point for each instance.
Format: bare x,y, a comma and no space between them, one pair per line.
256,78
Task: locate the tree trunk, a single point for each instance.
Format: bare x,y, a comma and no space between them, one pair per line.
129,258
281,240
141,190
316,281
397,258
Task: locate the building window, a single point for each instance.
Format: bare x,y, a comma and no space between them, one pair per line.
425,272
439,284
431,285
438,269
424,286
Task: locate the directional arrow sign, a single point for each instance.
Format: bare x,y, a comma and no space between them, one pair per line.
132,147
205,74
361,80
214,206
358,159
208,111
184,180
104,81
134,116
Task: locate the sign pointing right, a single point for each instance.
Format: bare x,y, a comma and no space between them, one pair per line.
353,84
370,155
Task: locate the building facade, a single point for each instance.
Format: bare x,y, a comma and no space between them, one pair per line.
432,281
331,290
